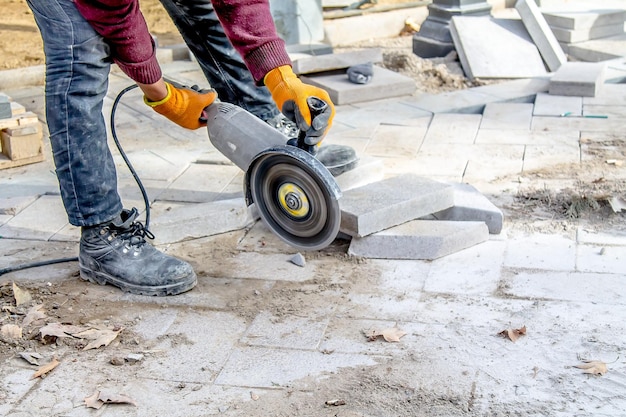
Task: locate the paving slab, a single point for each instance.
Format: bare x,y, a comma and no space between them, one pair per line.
378,206
510,54
555,105
590,236
590,124
13,205
265,367
601,258
612,47
540,251
384,83
397,141
582,19
538,157
572,36
199,220
471,205
202,183
289,332
502,116
526,137
368,115
453,128
27,223
420,239
541,34
368,170
517,91
611,95
335,61
584,79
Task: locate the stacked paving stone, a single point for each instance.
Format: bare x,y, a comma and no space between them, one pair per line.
580,26
21,136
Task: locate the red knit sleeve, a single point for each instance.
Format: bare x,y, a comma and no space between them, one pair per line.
124,28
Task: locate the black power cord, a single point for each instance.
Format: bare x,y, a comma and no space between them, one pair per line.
132,170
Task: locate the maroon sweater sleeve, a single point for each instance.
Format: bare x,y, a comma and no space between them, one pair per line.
247,23
124,28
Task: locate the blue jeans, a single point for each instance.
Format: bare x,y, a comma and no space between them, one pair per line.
222,65
77,72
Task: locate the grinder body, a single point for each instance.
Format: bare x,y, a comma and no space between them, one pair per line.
296,196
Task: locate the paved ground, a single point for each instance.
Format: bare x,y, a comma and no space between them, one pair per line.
262,337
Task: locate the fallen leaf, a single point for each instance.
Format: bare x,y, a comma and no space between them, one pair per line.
60,330
21,296
110,398
593,367
335,402
46,368
11,331
93,402
31,357
98,337
513,334
34,314
391,334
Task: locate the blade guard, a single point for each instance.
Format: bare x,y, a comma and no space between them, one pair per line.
326,182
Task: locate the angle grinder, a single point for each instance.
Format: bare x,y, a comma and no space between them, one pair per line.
295,194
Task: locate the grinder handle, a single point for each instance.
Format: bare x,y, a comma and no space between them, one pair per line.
317,106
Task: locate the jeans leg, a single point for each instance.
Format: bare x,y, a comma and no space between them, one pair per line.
77,70
221,63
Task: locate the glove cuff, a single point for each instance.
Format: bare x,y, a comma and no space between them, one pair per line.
162,101
278,75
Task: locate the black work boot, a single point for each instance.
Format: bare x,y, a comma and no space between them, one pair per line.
336,158
117,253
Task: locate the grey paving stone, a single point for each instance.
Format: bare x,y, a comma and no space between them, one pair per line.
544,123
539,157
5,218
517,91
572,36
420,239
471,205
368,170
592,110
602,259
264,367
265,266
453,128
378,206
507,116
368,115
474,270
573,286
202,183
465,101
259,238
13,205
334,61
541,34
385,83
539,251
30,223
398,141
555,105
593,237
597,50
525,137
200,220
581,19
289,332
510,53
611,95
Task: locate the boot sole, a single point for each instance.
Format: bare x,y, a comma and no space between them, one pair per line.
102,278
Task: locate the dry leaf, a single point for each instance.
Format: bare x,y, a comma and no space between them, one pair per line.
60,330
593,367
31,357
21,296
46,368
34,314
93,402
335,403
110,398
392,334
11,331
98,337
513,334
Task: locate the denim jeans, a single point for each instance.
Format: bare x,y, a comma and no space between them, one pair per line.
77,71
222,65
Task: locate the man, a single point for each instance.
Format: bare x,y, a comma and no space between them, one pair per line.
80,39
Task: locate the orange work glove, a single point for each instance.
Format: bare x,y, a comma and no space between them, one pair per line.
310,107
183,105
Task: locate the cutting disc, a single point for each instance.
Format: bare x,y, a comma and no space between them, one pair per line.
296,197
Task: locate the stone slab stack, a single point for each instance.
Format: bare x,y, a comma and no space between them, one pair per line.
571,27
21,135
